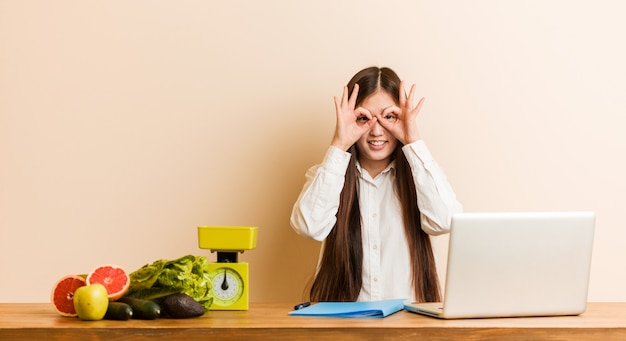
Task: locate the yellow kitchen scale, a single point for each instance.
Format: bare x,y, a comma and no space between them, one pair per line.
229,277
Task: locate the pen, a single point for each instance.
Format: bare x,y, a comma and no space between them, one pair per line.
301,305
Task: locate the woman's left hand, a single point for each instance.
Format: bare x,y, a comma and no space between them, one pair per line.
402,121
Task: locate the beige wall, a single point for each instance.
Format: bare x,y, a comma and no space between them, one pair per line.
126,124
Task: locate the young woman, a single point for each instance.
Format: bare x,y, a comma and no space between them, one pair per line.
375,198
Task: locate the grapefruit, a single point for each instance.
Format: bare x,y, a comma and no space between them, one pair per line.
114,279
62,296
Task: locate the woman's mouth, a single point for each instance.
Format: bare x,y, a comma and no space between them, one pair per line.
377,144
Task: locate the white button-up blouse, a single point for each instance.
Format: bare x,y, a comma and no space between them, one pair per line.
386,260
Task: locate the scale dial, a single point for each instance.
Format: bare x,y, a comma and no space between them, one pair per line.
228,286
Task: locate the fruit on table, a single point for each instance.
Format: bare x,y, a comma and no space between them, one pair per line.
113,278
182,306
62,296
91,302
143,291
142,309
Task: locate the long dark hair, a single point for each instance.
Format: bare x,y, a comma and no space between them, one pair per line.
339,277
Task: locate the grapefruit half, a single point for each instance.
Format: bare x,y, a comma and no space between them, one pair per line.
62,296
114,279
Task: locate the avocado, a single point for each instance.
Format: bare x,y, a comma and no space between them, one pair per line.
182,306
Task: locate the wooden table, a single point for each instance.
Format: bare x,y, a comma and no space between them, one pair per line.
265,321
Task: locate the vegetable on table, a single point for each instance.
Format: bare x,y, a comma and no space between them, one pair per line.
187,275
142,309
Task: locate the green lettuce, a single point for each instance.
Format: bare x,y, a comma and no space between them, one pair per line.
187,275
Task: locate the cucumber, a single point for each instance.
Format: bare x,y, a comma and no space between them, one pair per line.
142,309
118,311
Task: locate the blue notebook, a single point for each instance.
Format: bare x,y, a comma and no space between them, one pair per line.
352,309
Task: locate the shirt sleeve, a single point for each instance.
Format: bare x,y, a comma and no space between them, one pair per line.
314,213
435,197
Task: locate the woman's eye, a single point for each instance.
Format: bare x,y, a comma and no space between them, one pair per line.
362,119
390,117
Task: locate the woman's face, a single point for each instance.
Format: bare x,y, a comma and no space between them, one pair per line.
376,146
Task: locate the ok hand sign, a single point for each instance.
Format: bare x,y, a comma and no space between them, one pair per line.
351,123
403,126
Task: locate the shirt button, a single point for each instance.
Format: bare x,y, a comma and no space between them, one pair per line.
374,215
375,247
375,279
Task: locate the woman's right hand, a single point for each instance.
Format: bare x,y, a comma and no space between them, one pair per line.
351,123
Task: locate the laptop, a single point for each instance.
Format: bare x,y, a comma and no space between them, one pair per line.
515,264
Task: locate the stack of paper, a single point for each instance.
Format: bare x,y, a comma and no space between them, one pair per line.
352,309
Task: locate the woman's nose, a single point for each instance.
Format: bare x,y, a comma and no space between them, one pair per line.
376,129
